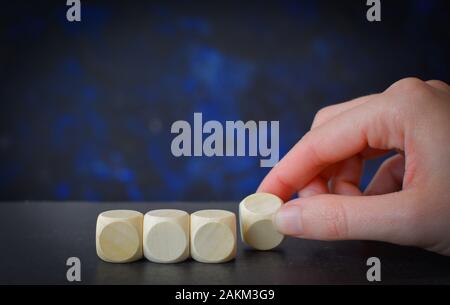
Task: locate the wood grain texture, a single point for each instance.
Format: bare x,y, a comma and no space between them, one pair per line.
255,220
166,236
119,236
213,236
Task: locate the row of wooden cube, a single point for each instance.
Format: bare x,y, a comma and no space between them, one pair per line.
170,236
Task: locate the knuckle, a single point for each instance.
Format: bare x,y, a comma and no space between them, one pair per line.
412,96
409,84
438,84
321,115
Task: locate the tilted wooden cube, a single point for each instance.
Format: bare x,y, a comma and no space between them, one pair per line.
119,236
213,236
166,236
255,217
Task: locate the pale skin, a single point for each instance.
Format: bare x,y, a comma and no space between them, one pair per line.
408,200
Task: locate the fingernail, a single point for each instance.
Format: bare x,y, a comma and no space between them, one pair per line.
287,220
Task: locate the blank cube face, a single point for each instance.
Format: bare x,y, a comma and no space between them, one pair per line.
213,242
255,214
119,236
166,236
213,236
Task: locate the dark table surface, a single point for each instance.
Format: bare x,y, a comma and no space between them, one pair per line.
37,238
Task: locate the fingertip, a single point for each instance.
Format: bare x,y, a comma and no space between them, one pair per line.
275,188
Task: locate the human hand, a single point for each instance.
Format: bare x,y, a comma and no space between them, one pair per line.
407,201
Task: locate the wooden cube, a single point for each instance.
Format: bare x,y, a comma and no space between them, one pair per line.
213,236
119,236
166,236
255,217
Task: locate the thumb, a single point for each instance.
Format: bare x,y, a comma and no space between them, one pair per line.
335,217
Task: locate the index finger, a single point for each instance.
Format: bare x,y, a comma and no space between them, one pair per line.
344,136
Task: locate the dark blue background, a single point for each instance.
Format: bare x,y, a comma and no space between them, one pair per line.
86,108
